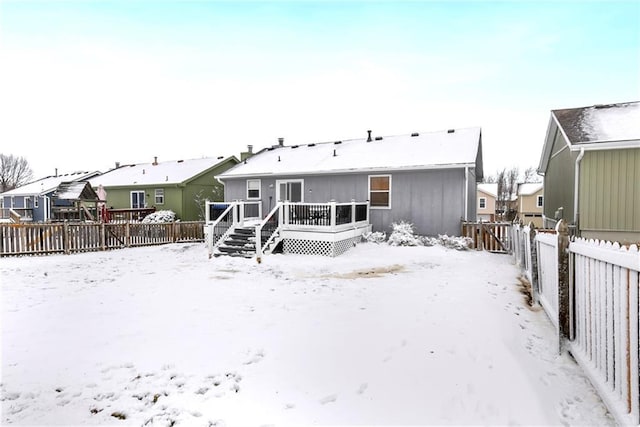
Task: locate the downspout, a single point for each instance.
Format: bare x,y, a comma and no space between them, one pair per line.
576,186
466,193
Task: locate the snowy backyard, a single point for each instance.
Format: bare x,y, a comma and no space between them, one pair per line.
381,335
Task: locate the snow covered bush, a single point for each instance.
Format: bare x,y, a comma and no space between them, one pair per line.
458,243
160,216
376,237
402,235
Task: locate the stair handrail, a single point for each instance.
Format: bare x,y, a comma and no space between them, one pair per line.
210,245
259,227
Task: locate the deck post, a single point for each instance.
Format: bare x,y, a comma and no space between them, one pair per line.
353,211
332,205
259,243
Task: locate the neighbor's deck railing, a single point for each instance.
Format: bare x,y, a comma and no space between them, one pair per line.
128,215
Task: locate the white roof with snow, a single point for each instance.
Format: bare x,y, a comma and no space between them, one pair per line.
490,188
529,188
170,172
424,151
48,184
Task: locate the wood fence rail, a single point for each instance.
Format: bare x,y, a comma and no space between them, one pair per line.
490,236
35,239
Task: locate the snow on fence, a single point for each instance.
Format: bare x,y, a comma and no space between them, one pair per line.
590,293
33,239
605,322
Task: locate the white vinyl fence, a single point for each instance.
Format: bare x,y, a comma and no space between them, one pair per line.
605,326
602,308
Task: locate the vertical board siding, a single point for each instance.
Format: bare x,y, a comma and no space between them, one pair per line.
610,190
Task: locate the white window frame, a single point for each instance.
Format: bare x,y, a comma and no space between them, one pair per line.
36,202
13,202
482,201
131,199
158,193
379,191
287,181
259,189
539,201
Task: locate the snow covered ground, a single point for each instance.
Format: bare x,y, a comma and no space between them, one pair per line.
380,335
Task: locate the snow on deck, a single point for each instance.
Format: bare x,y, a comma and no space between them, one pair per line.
380,335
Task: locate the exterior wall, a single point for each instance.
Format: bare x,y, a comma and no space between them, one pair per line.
609,196
120,198
559,181
432,200
489,212
528,210
472,190
204,187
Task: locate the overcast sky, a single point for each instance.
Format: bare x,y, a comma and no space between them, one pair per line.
84,84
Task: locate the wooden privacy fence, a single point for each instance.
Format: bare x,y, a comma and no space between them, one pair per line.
32,239
490,236
589,290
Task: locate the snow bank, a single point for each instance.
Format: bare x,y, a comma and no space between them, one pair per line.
403,235
160,216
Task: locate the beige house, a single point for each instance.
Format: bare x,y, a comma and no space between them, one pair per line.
530,203
487,194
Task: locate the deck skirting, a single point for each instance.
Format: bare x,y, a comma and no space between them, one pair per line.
331,244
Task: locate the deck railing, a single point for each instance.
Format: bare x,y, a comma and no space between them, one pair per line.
128,215
16,214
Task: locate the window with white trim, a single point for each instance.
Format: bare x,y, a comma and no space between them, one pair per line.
159,196
539,201
380,191
482,204
35,201
137,200
253,189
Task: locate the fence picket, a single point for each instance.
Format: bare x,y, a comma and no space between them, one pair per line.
33,239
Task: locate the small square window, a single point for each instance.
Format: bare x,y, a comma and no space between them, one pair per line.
253,189
159,196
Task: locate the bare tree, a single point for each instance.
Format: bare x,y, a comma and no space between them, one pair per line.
530,175
14,171
201,197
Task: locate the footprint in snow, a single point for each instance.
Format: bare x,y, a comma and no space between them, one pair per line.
362,388
329,399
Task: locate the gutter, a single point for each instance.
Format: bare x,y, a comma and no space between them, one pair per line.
466,193
576,186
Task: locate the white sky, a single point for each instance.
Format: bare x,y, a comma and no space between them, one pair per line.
85,84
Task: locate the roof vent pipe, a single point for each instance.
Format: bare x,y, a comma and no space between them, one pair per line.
250,148
369,137
155,161
117,165
451,131
56,171
334,153
280,142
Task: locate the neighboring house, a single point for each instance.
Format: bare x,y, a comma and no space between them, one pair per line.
428,179
530,203
591,167
181,186
33,201
487,195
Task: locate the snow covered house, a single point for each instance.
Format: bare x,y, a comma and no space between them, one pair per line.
178,185
33,202
530,203
591,167
428,179
487,197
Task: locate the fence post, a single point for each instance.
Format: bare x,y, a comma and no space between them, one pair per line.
535,290
480,245
259,243
66,239
103,237
564,309
127,235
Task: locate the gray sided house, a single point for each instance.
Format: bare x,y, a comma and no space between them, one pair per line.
36,201
428,179
591,167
